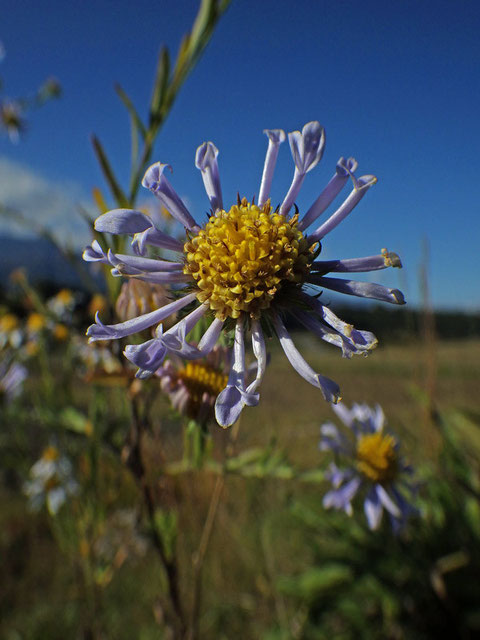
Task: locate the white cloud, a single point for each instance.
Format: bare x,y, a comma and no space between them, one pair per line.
55,206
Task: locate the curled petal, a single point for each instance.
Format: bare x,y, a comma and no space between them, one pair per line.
119,221
233,398
101,331
230,403
260,353
363,340
307,150
361,187
327,334
275,139
95,253
206,161
361,289
307,147
329,388
156,238
157,183
148,357
344,169
342,497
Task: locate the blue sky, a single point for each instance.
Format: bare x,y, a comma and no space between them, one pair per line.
395,84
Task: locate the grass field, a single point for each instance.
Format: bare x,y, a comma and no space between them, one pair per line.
52,583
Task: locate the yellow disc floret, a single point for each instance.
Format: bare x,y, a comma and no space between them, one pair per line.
376,457
200,378
243,258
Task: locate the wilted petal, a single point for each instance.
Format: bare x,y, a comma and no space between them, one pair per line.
206,161
363,340
157,183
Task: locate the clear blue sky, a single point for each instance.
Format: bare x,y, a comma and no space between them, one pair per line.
396,84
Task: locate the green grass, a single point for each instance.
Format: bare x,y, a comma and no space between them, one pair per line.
254,540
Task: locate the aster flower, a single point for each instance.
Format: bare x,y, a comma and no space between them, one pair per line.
193,386
11,119
245,269
376,470
62,305
51,481
10,333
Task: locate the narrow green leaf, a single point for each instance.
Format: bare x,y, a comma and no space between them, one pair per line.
160,86
115,188
135,118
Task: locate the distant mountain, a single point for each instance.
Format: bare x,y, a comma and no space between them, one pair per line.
39,257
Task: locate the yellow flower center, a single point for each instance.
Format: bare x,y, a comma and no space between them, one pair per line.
65,296
36,322
376,457
60,332
8,322
50,454
200,378
244,257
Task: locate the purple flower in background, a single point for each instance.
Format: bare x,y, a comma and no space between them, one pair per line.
245,268
11,380
374,466
193,386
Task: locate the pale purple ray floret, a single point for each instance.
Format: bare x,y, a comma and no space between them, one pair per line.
145,230
348,481
12,377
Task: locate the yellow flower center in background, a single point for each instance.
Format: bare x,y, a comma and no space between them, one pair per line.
8,322
50,454
36,322
65,296
376,457
200,378
60,332
243,257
